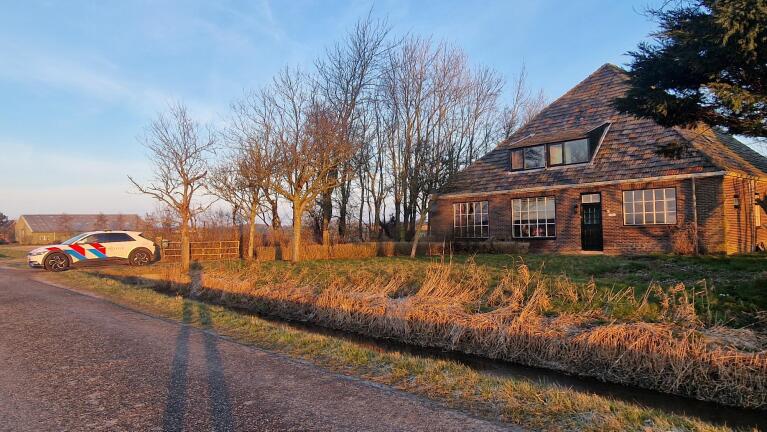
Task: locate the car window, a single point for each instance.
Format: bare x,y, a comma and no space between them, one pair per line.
116,238
93,238
73,239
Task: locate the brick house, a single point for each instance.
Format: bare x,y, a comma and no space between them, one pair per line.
583,177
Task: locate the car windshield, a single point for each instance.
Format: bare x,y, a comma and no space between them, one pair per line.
73,239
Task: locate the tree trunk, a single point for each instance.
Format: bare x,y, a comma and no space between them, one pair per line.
276,222
327,214
296,241
238,224
252,232
419,227
186,254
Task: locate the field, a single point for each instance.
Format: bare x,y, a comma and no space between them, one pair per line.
625,319
732,290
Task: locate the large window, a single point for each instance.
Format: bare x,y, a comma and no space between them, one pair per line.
533,217
649,207
470,220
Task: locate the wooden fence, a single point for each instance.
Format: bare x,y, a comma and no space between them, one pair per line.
202,250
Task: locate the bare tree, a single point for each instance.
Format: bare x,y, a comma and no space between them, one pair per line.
225,183
303,148
524,105
179,151
346,75
439,116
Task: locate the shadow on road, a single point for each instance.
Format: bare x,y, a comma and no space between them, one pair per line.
218,393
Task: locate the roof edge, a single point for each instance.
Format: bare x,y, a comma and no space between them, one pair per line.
720,173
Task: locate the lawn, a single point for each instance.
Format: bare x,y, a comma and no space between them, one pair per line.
14,252
730,290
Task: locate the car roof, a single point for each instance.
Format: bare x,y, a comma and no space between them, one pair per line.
110,231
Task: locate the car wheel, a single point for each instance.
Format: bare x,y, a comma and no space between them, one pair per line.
56,262
140,257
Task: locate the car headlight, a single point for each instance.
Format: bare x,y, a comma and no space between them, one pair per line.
37,253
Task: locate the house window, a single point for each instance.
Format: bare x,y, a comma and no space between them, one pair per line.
541,156
591,198
517,160
533,217
757,211
555,154
649,207
577,151
470,219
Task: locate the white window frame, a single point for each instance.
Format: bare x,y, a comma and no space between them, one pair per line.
522,217
649,210
757,211
471,219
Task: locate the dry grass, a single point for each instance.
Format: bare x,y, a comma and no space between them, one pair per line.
382,249
519,317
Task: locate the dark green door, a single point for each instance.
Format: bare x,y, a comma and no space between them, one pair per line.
591,222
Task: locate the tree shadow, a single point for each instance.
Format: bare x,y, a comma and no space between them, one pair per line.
218,393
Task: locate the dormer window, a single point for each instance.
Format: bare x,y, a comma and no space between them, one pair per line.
578,150
535,157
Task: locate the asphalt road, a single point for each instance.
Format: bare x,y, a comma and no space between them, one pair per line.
74,362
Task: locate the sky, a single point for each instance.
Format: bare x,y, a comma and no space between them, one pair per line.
81,80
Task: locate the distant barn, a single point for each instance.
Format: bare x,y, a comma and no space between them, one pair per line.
45,229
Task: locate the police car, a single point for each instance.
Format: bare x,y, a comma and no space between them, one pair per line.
123,246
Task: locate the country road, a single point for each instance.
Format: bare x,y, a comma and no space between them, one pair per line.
74,362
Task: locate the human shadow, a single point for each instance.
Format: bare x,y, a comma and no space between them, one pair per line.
220,408
175,405
220,405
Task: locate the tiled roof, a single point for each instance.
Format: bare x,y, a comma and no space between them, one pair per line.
549,137
632,148
81,222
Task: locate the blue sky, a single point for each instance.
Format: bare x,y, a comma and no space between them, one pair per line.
80,80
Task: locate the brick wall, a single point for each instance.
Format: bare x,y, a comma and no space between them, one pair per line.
618,238
741,232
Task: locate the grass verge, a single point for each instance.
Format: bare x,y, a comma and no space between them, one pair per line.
531,405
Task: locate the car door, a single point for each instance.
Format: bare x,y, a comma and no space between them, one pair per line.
117,245
92,247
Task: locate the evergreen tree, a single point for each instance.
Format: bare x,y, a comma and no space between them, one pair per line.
707,63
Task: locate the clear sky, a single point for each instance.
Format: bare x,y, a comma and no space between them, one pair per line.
79,80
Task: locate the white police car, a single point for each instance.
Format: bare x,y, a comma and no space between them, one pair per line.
94,245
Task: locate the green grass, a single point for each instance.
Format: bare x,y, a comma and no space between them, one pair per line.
530,404
10,252
731,289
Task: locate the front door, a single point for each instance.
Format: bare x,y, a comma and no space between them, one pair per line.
591,222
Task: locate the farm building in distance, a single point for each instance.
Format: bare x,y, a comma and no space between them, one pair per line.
45,229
